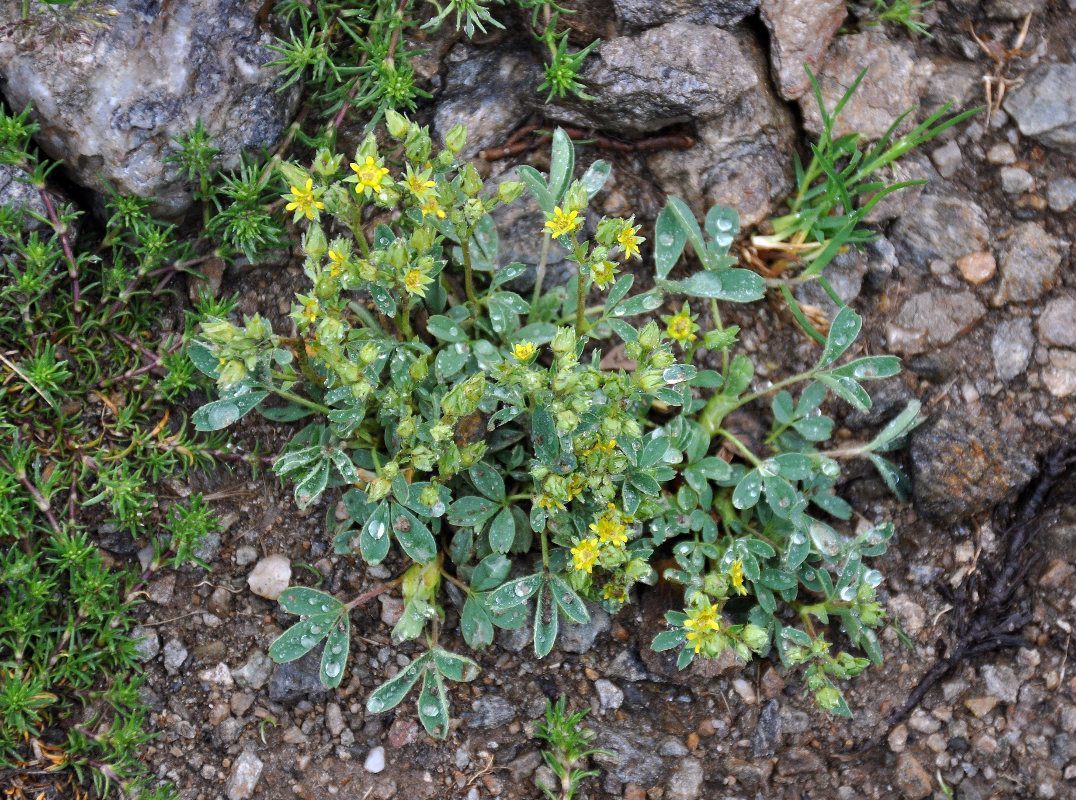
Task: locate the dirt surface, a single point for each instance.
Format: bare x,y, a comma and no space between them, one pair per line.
1002,725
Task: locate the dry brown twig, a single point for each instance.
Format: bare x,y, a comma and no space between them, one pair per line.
1002,57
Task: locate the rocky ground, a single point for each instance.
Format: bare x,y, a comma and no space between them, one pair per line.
972,283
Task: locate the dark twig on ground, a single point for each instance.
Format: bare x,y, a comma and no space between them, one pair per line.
989,610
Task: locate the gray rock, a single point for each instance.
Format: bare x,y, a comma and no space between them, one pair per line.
676,73
888,88
245,554
1059,375
334,719
958,81
912,780
147,643
1016,180
486,91
580,638
1061,193
110,104
1001,682
255,672
1044,105
17,193
1013,9
945,226
844,275
1057,325
297,680
799,760
767,734
1001,153
933,318
686,782
161,590
635,14
609,694
491,711
673,747
1029,264
174,655
960,467
627,666
1011,346
246,771
948,159
208,547
228,732
800,31
635,759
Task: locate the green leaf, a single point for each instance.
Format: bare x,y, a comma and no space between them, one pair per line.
568,601
689,226
204,359
783,410
475,624
312,485
639,304
900,425
616,294
546,622
302,637
722,224
537,186
653,452
538,333
514,593
869,368
667,640
222,413
305,601
506,274
544,436
471,510
814,429
595,176
843,330
733,285
644,483
741,371
286,413
502,532
487,480
780,495
669,241
433,705
414,537
391,692
777,579
446,329
848,390
893,476
334,656
383,300
561,164
748,490
455,667
490,572
374,540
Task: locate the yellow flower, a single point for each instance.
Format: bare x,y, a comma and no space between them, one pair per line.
548,503
563,223
629,241
418,184
415,282
310,310
431,206
682,327
701,621
736,576
305,201
371,174
603,273
576,485
337,261
523,350
610,529
584,555
612,591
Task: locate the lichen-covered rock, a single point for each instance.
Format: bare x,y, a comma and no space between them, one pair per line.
647,13
1044,105
941,226
111,105
1029,265
800,32
932,319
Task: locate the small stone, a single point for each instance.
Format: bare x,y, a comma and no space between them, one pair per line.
947,159
767,734
246,771
1029,264
977,267
800,31
1061,193
245,554
945,226
270,576
228,731
912,780
772,683
1057,325
1001,153
922,722
294,735
633,791
1056,574
1001,681
981,706
491,711
254,673
402,732
898,739
909,613
798,760
297,680
673,747
1011,345
609,694
686,782
580,638
1060,375
240,702
161,590
220,602
1044,105
218,675
1016,180
174,655
218,713
392,609
334,719
745,690
627,666
375,760
933,318
147,643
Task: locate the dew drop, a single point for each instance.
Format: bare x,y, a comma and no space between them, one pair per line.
332,669
798,539
453,331
872,577
377,530
324,607
768,468
522,590
566,598
375,705
337,649
666,240
651,302
847,593
437,509
723,239
784,502
430,710
808,574
307,641
461,348
315,629
865,371
724,224
313,601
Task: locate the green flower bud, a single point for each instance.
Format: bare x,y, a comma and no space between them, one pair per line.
445,159
472,454
608,230
418,145
398,126
473,211
326,287
405,429
441,432
219,331
361,390
294,175
231,373
424,460
378,489
348,372
662,359
508,191
390,470
366,270
398,255
367,148
429,495
257,328
326,163
419,368
470,180
330,331
755,637
456,139
422,239
532,382
576,196
567,421
721,340
563,341
369,353
314,242
650,380
828,698
650,335
715,584
449,461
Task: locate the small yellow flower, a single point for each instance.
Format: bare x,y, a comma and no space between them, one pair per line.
603,274
305,201
736,576
418,184
682,327
310,310
523,351
701,621
584,555
609,528
612,591
576,485
629,241
336,262
563,223
371,174
548,503
415,282
431,206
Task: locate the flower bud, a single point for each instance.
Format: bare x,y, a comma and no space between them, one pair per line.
367,148
422,239
326,163
441,432
472,454
576,196
418,145
662,359
470,180
219,331
405,429
390,470
314,242
456,139
755,637
378,489
367,271
294,175
231,373
369,353
429,495
326,287
563,341
650,335
397,125
361,390
473,211
509,191
397,255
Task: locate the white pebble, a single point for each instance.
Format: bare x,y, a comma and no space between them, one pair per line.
375,761
270,576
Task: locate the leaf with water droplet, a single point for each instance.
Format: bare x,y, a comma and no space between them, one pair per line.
335,654
545,623
298,599
222,413
433,705
455,666
569,602
373,543
669,241
513,593
389,694
300,638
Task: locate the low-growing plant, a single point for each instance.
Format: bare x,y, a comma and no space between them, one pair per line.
476,432
568,748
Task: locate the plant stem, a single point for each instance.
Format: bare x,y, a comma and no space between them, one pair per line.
302,401
744,449
539,276
580,303
468,276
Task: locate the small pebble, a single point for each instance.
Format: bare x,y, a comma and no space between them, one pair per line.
270,576
947,159
1061,193
1001,153
375,760
977,267
1015,180
245,555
